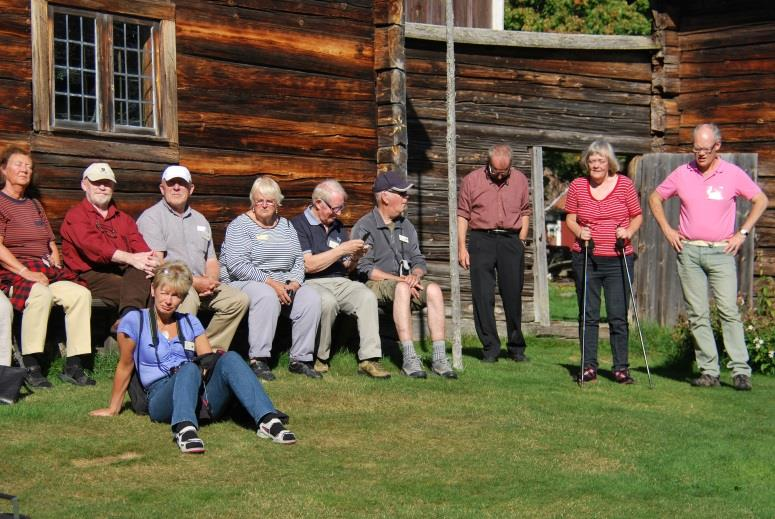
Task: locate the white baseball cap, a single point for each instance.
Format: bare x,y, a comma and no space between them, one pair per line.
176,172
99,171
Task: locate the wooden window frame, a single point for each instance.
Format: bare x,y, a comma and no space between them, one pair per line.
159,12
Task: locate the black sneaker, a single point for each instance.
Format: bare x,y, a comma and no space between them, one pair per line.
742,382
188,441
302,368
261,370
75,375
35,378
706,380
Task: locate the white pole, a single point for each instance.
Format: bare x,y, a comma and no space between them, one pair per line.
454,273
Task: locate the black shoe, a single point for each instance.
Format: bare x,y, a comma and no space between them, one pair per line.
35,378
490,360
261,370
75,375
519,357
302,368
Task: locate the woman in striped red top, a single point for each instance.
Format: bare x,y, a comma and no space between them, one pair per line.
603,206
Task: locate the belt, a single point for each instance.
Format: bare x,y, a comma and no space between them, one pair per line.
497,231
703,243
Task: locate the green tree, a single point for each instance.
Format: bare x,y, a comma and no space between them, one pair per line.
579,16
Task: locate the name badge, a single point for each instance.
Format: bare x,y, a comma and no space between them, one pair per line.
403,238
262,237
333,244
189,346
201,228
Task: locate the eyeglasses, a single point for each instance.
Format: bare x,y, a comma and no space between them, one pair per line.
264,203
402,194
336,210
703,151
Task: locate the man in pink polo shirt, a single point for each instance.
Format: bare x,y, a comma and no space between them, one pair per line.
706,243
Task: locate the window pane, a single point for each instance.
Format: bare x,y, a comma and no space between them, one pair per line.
60,26
75,65
75,109
90,84
74,27
74,53
90,110
60,53
89,30
60,80
75,82
89,58
133,75
60,107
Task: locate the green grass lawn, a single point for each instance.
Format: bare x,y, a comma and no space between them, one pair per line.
506,440
562,301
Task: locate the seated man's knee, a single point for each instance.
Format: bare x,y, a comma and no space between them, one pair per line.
328,303
434,293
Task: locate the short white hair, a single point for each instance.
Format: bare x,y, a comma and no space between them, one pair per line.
327,188
268,188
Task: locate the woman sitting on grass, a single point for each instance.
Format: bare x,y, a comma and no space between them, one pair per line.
163,354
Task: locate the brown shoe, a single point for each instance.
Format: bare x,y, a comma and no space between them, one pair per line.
373,369
320,366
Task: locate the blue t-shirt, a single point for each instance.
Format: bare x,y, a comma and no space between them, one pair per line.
153,365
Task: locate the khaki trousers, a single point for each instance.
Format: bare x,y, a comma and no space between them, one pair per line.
229,305
339,294
76,301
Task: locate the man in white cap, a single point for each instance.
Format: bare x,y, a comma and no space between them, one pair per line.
103,246
172,227
394,269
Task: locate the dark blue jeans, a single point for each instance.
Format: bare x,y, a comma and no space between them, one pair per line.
604,274
175,399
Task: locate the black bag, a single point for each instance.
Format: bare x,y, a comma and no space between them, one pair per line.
11,382
138,398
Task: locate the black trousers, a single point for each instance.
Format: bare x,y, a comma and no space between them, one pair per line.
503,256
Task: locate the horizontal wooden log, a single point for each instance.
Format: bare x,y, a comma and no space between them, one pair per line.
391,87
391,115
103,149
756,84
391,136
256,43
730,68
753,51
520,39
146,8
740,37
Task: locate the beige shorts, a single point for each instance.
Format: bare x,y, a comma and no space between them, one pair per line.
385,291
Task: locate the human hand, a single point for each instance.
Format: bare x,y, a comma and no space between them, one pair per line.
734,243
674,238
463,259
623,233
145,261
205,286
293,285
352,247
105,411
280,290
35,277
413,280
585,234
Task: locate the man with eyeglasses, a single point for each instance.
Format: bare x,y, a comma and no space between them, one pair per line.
329,256
104,247
494,203
394,267
182,233
706,243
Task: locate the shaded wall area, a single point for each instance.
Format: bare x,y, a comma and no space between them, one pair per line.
526,96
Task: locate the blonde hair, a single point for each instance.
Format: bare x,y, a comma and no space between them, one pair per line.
604,148
267,187
174,275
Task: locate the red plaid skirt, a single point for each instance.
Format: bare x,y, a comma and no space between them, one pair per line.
18,289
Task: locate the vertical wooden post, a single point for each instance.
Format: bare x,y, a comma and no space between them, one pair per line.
540,268
454,273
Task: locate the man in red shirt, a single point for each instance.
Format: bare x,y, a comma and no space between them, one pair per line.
103,246
494,203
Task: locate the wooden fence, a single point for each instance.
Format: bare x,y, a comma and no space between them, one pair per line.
656,283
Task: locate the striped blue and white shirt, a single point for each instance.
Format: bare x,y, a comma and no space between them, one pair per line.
250,252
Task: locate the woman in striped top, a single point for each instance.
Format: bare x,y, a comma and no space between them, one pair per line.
262,257
603,207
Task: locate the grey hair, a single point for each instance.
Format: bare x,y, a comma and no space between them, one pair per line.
503,150
604,148
712,127
327,188
267,187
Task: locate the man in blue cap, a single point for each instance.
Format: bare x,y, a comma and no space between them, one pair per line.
394,267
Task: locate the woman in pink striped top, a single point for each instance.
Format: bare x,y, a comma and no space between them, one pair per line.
603,206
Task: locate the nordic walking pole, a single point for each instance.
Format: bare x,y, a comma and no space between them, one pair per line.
588,244
620,246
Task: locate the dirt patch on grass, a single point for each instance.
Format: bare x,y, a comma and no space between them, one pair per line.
105,460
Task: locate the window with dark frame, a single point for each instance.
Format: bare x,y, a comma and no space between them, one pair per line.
131,104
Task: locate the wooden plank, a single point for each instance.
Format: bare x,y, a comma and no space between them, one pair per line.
465,35
103,149
388,12
389,47
153,9
540,268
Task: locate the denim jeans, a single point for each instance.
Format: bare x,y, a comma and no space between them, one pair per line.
175,399
698,267
606,274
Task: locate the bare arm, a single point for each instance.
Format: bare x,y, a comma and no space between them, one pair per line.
9,262
656,203
126,364
462,251
525,228
757,209
628,232
581,233
318,262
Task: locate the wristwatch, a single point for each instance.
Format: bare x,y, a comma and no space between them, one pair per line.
744,232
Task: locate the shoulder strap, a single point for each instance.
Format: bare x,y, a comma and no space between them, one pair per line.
137,349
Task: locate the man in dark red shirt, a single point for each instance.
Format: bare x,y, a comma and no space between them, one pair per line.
103,246
494,203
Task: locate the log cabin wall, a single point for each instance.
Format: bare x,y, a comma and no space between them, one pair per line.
468,13
720,67
556,91
284,88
